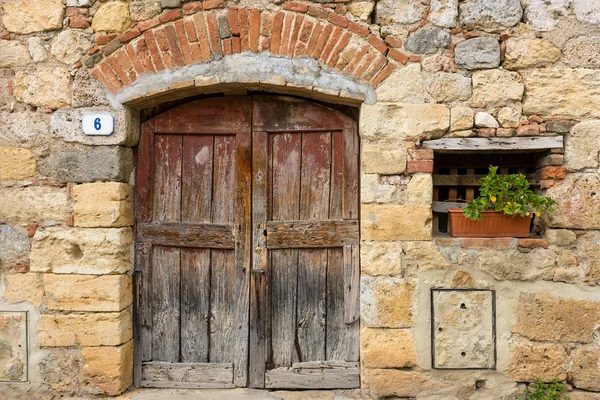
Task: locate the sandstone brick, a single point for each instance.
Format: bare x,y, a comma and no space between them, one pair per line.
381,258
526,53
16,163
88,292
387,348
543,317
582,146
530,360
395,222
28,16
96,329
13,54
14,358
387,302
560,237
404,85
14,243
21,205
586,371
497,86
81,250
385,383
383,158
578,207
44,87
24,287
103,204
461,118
485,243
420,189
112,16
446,88
374,190
109,369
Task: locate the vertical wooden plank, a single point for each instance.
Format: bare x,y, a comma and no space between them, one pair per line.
470,192
452,192
436,219
222,324
286,163
144,171
351,163
312,263
142,310
259,271
166,207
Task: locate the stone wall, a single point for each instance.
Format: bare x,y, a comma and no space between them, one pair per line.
418,70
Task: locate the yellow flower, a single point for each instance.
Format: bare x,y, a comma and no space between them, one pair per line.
493,199
537,213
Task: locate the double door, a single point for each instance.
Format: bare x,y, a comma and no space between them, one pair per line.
247,236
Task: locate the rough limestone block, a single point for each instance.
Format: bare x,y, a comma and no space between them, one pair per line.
70,45
144,9
24,287
109,369
372,190
381,258
88,164
497,87
112,16
387,348
28,16
391,12
67,125
526,53
103,204
477,53
420,189
16,164
88,292
586,371
14,244
13,345
383,158
13,54
463,329
23,129
461,118
386,302
390,383
577,89
530,360
400,121
490,15
88,92
560,237
56,363
582,146
94,251
446,88
543,15
22,205
587,11
426,255
395,222
509,117
443,13
427,41
543,317
95,329
578,206
44,87
405,85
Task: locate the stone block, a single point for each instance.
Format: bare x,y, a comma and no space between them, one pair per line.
44,87
112,16
446,87
23,129
88,164
529,360
24,287
427,255
509,117
587,11
13,346
94,251
477,53
560,237
516,265
70,45
13,54
392,12
16,164
426,41
15,246
443,13
587,246
381,258
461,118
578,207
485,120
60,369
96,329
420,189
541,15
400,121
28,16
142,10
88,292
108,369
582,146
383,158
391,383
395,222
463,329
103,204
490,15
586,370
387,348
529,53
543,317
531,243
579,95
404,85
372,190
88,92
67,125
361,10
21,205
497,87
386,302
485,243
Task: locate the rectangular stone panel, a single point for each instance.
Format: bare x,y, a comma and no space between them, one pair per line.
13,346
463,329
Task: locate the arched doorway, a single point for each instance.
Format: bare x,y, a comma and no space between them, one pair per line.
247,235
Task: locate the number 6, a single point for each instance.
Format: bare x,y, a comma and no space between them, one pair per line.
97,124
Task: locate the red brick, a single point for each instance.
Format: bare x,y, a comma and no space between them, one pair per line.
123,67
550,159
96,73
377,43
77,11
314,37
110,76
183,42
144,55
487,132
31,229
196,52
153,50
190,31
546,184
129,34
359,30
244,20
102,39
161,39
213,34
415,58
366,63
21,268
267,23
335,37
500,243
425,166
254,30
200,23
478,105
317,11
305,32
235,44
375,67
148,24
335,56
232,18
276,32
504,132
398,56
265,43
357,59
338,20
133,56
532,243
227,50
78,23
550,173
393,41
383,74
285,35
295,6
171,15
211,4
192,8
70,220
471,34
295,33
535,118
421,154
321,42
532,129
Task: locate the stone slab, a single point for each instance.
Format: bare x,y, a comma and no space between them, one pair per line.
13,346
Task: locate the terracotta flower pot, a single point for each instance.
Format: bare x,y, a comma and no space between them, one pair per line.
492,224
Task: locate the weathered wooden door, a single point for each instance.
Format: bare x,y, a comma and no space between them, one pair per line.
247,246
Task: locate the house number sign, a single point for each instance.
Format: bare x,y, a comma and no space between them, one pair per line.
98,124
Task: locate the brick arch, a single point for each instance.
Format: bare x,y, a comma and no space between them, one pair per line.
175,41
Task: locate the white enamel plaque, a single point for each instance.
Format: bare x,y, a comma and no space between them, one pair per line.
98,124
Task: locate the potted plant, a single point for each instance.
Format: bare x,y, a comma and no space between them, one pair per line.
504,208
